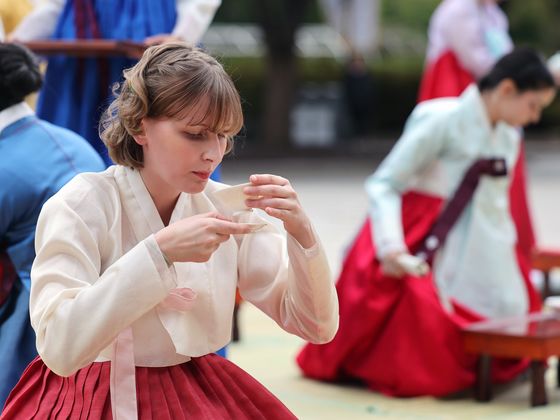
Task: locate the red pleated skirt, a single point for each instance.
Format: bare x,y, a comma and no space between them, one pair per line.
208,387
394,335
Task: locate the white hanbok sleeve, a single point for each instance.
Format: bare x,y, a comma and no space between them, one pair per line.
419,146
193,18
41,22
75,309
290,284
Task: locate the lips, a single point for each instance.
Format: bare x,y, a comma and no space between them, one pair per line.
202,175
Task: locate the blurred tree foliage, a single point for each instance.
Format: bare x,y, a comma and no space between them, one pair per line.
532,22
414,14
244,11
535,23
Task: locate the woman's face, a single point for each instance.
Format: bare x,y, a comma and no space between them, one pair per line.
180,154
524,108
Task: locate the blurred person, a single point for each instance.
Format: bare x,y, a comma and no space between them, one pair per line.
440,196
36,160
76,90
12,12
148,249
465,39
358,93
554,66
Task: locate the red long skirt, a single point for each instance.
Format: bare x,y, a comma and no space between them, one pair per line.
394,334
208,387
444,77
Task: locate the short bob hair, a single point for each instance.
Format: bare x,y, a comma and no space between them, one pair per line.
168,82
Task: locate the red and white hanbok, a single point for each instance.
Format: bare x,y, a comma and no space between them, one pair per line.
396,335
121,334
465,39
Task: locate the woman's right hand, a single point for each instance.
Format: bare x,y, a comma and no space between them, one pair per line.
391,266
195,238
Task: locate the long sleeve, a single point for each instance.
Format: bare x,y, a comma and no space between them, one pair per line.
77,307
290,284
41,22
193,18
420,144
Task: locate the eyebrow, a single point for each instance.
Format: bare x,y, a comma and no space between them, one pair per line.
204,127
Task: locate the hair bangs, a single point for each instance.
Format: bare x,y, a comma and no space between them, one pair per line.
213,103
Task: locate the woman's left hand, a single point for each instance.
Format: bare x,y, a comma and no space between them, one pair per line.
276,197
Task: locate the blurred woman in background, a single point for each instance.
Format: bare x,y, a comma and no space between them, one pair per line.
442,195
36,160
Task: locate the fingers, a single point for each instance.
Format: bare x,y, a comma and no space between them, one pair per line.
270,190
211,215
216,223
391,266
281,214
161,39
392,270
226,228
262,179
152,40
278,203
216,215
266,187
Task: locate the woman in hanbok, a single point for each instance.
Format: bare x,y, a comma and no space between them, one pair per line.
442,196
134,283
77,90
36,160
465,39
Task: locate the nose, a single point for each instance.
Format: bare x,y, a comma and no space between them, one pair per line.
213,150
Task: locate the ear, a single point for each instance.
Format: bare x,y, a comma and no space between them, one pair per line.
507,87
141,138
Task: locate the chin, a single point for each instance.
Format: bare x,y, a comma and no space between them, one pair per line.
195,188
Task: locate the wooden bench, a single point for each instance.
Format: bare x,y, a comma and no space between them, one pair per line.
535,337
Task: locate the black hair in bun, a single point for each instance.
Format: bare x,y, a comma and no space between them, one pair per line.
19,74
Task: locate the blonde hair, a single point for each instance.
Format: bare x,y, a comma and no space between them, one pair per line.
169,81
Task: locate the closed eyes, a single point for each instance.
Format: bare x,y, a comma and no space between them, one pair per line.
203,135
